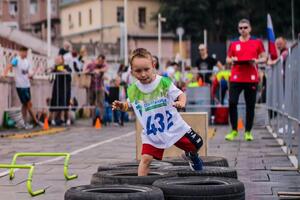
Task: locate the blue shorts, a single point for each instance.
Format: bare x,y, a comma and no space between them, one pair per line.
24,95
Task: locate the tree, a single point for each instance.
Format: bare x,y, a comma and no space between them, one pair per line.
220,18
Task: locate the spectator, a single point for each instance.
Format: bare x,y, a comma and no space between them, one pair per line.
177,75
263,88
61,92
22,68
194,82
62,51
67,55
206,63
123,73
156,63
188,74
170,71
117,92
77,64
243,55
281,46
83,56
220,80
96,91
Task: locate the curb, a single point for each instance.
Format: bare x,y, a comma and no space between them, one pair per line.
33,133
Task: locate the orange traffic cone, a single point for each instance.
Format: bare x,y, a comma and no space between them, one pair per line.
98,123
240,124
46,124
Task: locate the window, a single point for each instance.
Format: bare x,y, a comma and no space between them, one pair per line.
33,7
1,2
79,19
90,16
13,7
70,21
120,14
142,16
54,7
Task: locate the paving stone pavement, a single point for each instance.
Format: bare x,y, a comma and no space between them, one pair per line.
251,159
253,162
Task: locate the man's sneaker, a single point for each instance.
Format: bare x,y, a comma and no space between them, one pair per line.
28,126
230,136
248,136
40,124
195,162
68,122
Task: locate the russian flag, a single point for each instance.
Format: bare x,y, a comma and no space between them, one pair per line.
271,39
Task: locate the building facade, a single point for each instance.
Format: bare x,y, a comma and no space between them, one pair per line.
99,23
31,16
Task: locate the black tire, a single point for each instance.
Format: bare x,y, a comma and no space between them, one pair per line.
132,165
207,171
128,177
199,188
215,161
114,192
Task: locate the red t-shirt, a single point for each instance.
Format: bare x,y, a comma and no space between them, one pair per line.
248,50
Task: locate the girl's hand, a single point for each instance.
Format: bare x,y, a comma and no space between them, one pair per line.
178,104
117,105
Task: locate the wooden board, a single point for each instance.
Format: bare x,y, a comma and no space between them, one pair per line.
197,120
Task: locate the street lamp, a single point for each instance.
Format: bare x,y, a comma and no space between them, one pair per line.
180,32
293,20
125,35
205,37
160,20
48,31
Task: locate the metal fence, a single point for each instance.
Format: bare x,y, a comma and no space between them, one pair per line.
283,100
43,87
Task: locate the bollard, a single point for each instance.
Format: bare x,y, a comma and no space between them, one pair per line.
46,154
29,179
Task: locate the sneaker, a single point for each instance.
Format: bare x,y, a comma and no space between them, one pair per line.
53,122
40,124
116,124
68,122
248,136
195,162
230,136
28,126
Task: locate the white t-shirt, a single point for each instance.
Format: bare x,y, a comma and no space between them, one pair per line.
21,69
152,103
68,60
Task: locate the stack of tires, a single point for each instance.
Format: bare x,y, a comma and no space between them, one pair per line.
170,180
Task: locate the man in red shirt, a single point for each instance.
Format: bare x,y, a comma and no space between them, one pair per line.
243,55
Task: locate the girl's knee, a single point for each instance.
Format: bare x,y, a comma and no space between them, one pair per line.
146,160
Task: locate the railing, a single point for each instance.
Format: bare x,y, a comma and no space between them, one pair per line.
283,101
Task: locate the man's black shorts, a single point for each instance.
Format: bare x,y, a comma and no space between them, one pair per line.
24,95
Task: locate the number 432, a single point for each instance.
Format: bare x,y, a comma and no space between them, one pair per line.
159,117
